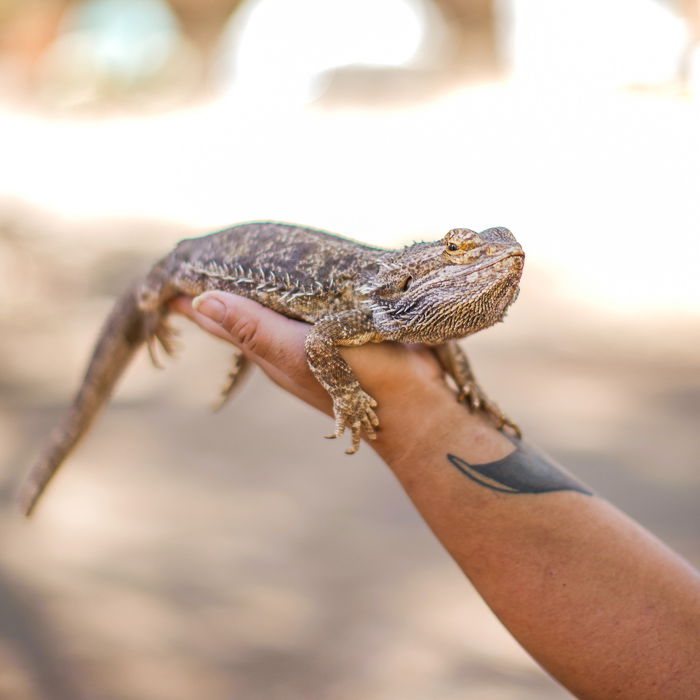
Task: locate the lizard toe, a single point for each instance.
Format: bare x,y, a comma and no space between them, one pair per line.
355,411
356,429
471,395
501,418
514,427
369,427
340,425
372,417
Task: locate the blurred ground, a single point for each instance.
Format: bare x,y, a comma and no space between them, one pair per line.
238,555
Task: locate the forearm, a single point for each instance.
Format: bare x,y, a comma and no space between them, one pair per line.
599,602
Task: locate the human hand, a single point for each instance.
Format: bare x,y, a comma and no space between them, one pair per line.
568,574
402,378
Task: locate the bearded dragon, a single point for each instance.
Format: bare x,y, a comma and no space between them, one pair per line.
351,293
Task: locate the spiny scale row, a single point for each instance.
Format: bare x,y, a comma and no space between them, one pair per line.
289,288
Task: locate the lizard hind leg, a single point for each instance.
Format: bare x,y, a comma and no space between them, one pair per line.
164,335
153,296
239,369
456,365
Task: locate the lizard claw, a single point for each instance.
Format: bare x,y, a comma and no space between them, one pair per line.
164,335
356,412
514,427
475,399
472,395
502,420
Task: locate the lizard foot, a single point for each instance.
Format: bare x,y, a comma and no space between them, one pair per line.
165,336
355,411
239,369
472,395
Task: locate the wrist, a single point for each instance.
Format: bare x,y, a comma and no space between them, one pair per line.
428,422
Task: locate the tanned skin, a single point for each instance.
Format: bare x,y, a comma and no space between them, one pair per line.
350,293
600,603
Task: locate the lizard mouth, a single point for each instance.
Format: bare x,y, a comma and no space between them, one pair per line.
510,254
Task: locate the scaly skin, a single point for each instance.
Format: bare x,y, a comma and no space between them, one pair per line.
431,293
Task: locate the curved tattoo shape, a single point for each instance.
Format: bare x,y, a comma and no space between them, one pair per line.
522,471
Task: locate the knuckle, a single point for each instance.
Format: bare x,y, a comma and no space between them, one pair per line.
246,331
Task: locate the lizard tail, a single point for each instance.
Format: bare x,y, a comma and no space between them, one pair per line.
127,327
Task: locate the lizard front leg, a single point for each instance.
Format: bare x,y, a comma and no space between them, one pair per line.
455,362
352,406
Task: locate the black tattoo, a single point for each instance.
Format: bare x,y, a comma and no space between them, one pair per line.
522,471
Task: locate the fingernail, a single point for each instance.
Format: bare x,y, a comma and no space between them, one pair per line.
209,307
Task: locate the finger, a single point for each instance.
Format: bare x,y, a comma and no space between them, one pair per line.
273,342
261,333
183,305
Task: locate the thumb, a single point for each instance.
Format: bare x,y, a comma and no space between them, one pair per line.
262,334
272,341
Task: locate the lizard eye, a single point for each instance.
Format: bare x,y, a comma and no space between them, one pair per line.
406,284
452,247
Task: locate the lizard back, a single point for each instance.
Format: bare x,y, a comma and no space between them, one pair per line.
301,272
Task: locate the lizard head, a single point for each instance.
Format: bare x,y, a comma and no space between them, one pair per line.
433,292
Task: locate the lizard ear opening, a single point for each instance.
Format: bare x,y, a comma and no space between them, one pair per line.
407,283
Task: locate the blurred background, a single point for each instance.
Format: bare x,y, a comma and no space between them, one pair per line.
183,555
